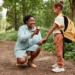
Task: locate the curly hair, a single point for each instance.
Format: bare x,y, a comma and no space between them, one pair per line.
26,18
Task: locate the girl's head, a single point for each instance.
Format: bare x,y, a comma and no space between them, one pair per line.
29,20
58,7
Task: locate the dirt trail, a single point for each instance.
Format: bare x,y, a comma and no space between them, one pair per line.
43,61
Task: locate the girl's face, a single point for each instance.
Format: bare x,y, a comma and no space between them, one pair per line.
56,10
31,22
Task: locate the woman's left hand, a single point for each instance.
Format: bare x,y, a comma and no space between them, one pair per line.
40,42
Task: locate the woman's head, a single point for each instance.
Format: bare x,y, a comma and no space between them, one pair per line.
58,7
29,20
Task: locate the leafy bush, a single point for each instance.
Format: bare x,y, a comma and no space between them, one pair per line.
69,51
9,35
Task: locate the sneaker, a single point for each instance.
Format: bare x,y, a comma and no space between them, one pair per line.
57,69
55,65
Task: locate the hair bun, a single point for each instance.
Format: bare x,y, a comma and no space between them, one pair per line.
61,2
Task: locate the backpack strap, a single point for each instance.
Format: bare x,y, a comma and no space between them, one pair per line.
65,22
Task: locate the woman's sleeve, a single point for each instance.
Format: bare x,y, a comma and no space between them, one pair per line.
21,36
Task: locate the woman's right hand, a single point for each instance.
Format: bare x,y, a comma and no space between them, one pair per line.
36,31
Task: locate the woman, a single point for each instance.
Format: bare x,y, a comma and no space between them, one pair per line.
29,39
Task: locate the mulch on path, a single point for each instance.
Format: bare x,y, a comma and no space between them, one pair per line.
44,62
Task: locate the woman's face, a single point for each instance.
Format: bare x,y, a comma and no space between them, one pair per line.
31,22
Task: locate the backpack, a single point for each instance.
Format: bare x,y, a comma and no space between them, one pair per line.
69,31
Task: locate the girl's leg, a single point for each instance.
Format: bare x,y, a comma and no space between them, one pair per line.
58,41
59,49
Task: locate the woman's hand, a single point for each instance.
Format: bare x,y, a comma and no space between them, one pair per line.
35,32
44,40
40,42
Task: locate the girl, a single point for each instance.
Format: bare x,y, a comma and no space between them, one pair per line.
58,37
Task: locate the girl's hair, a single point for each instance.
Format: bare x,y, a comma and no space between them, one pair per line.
59,4
26,18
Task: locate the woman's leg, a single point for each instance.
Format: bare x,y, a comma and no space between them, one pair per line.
22,60
33,56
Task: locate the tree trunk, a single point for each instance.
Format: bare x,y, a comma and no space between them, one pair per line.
15,18
73,14
23,5
72,8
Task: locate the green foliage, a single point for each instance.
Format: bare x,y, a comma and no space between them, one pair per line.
16,9
66,9
9,35
42,11
48,15
0,8
0,19
70,51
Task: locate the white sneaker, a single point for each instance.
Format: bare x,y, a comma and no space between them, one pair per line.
55,65
57,69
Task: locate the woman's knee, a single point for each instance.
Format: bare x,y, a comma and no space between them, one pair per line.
38,49
22,60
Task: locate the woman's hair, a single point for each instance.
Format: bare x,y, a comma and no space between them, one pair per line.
59,4
26,18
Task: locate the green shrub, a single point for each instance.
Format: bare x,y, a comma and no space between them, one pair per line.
9,35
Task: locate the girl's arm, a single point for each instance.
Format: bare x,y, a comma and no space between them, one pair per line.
50,32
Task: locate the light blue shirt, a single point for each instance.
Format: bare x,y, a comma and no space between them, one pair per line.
25,40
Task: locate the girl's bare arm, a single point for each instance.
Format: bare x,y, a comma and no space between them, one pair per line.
51,30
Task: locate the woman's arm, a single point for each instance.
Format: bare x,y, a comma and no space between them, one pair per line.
22,37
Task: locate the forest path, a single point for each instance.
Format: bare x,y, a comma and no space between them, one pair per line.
44,62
